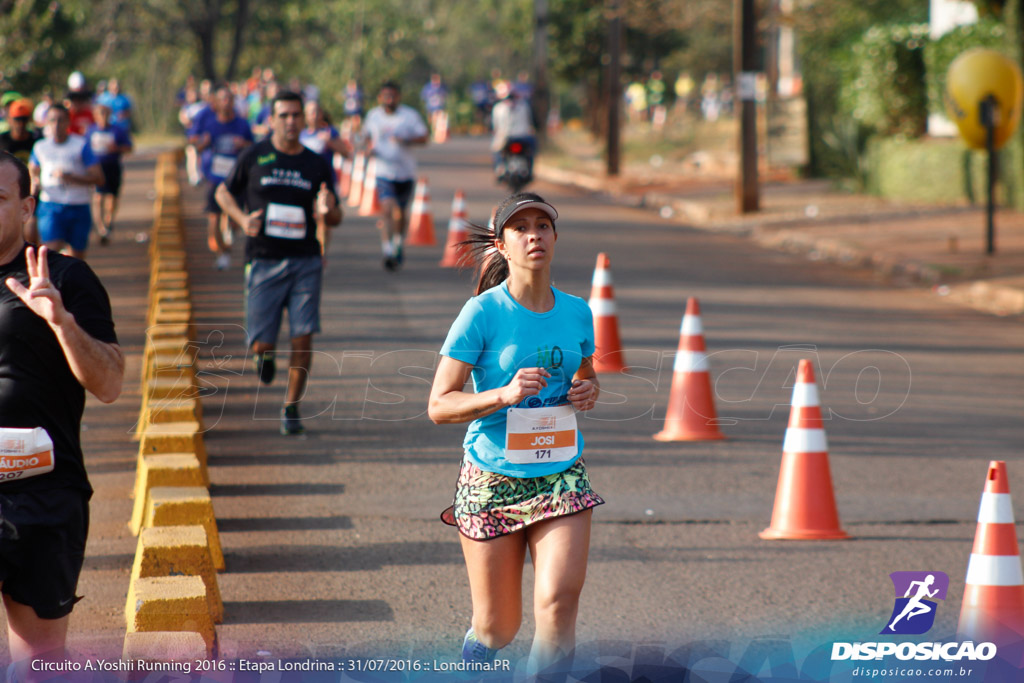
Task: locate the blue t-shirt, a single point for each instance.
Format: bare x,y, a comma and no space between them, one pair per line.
120,108
434,96
497,336
219,157
103,140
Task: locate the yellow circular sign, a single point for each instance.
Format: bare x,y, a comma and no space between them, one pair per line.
972,77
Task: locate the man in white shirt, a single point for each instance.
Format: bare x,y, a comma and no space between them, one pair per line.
512,119
393,128
64,171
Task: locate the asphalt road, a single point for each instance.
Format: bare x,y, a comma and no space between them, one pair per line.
332,542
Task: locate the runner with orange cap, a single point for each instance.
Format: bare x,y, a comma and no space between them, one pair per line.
19,140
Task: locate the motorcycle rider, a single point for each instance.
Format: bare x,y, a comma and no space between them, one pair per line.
512,119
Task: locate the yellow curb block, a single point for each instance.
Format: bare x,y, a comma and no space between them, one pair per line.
163,410
169,364
171,603
167,330
166,314
163,646
179,346
174,437
172,469
165,388
182,506
177,551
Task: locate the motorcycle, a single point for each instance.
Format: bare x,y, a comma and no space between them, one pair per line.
515,167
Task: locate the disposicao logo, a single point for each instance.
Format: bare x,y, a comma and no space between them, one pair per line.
913,613
917,594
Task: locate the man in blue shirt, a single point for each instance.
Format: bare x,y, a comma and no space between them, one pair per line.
108,143
435,98
119,103
220,137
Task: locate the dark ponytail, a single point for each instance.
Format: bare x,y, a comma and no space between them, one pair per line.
491,266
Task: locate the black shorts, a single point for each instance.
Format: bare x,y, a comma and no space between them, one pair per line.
112,178
42,546
211,198
399,190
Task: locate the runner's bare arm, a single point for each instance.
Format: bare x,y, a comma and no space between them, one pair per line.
98,366
250,222
34,174
585,387
450,404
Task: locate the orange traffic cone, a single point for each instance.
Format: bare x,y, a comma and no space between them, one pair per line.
355,192
608,356
691,407
455,253
421,220
370,201
343,172
805,508
993,607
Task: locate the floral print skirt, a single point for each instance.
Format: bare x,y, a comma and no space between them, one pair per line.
488,505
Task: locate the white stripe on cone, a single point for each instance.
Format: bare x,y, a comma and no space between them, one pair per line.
691,361
691,326
802,440
805,395
602,278
994,570
602,307
996,508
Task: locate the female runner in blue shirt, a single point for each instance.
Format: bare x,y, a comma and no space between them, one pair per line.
527,347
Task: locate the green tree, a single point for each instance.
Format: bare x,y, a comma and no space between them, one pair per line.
826,31
41,42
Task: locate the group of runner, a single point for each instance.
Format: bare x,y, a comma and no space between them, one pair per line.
71,148
57,340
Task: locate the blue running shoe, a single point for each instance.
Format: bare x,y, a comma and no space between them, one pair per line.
291,423
475,651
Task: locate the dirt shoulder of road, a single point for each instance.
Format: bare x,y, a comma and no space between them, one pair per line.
941,247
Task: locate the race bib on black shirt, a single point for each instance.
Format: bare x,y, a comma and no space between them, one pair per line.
284,186
37,386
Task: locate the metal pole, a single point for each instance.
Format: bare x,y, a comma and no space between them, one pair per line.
745,65
614,85
988,113
541,94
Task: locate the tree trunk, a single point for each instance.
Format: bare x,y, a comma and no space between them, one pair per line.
204,27
238,40
1013,179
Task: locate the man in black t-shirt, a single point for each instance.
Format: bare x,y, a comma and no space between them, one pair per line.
289,203
57,340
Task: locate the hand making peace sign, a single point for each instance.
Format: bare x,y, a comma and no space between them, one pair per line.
40,295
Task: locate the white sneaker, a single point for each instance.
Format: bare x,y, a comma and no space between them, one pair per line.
223,261
227,234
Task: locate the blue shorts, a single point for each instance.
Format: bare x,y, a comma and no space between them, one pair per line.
399,190
69,223
271,286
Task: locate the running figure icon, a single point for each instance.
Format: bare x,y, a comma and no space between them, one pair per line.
915,606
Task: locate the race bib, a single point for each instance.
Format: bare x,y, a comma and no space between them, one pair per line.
534,436
285,221
24,453
48,177
102,142
222,165
315,144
